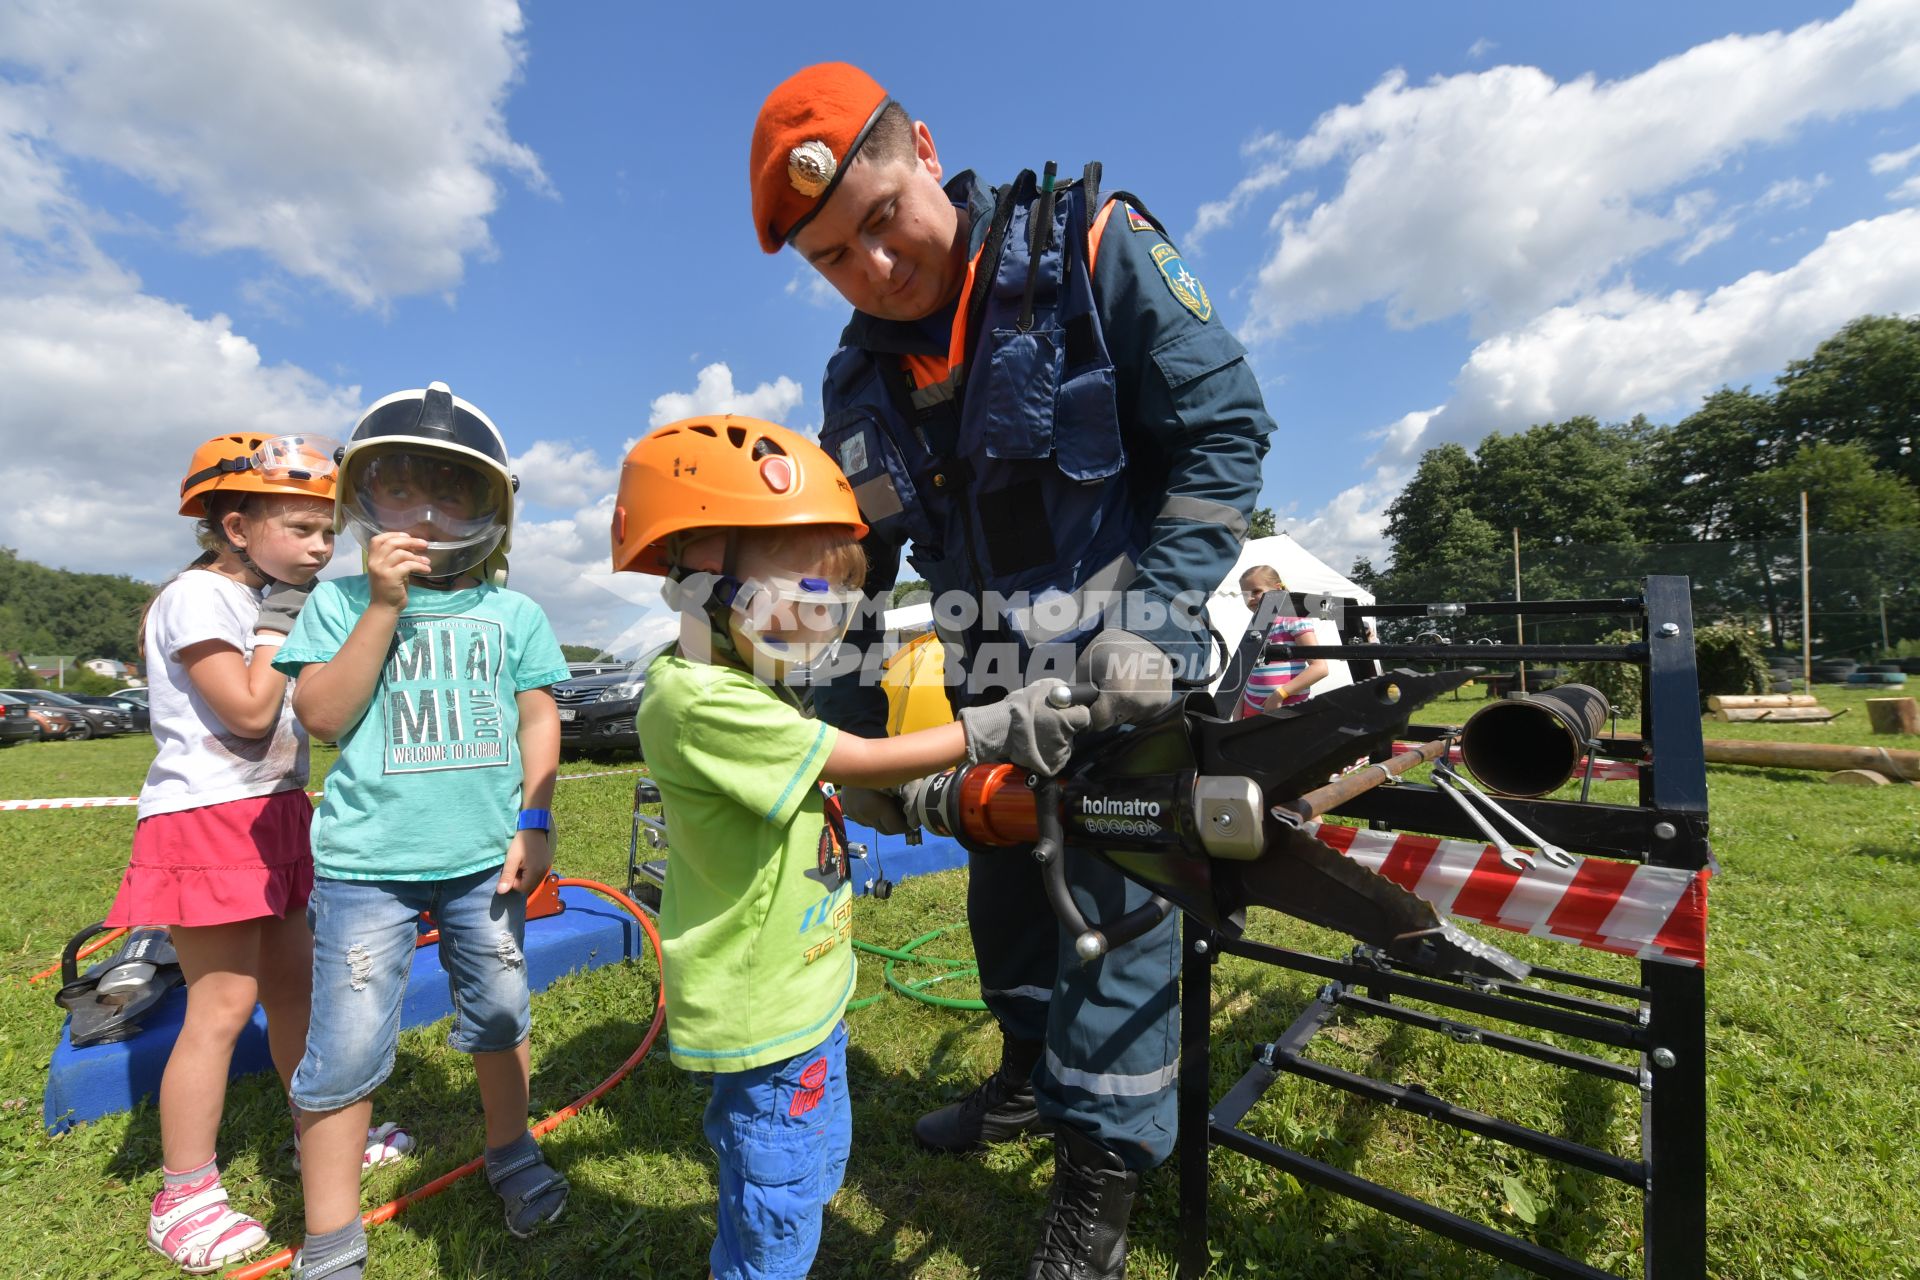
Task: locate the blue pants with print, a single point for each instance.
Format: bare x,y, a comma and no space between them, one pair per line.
782,1133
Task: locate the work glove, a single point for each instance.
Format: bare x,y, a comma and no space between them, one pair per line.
281,605
1134,676
875,807
1024,728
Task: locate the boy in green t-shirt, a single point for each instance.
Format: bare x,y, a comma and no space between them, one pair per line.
757,533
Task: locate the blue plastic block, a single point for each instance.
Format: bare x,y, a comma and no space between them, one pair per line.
86,1084
898,859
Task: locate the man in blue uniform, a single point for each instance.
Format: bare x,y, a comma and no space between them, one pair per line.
1036,400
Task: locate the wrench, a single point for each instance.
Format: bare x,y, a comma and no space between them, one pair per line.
1512,857
1548,849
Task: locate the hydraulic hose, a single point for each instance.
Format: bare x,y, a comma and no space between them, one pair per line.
917,990
392,1208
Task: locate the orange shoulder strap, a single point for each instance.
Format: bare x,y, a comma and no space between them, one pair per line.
1094,234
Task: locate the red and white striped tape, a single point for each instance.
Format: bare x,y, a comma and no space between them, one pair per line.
125,802
1604,770
1655,913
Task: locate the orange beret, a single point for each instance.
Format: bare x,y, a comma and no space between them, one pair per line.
808,132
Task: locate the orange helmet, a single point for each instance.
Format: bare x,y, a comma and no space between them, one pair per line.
722,472
248,463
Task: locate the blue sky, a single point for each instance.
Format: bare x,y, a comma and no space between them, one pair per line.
1427,221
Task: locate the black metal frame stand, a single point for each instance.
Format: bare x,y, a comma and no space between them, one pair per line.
1662,1018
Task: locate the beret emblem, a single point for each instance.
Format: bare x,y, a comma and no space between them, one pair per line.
810,167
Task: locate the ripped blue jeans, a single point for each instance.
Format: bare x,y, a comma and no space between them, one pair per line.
364,934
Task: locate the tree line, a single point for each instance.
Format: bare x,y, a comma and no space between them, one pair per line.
1715,496
54,611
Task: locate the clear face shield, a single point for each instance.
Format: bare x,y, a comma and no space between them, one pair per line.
793,621
459,508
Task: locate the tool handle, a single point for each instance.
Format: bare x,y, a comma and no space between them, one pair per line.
1062,696
1089,942
1313,804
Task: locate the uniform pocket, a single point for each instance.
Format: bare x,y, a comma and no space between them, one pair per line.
1187,363
1016,406
882,486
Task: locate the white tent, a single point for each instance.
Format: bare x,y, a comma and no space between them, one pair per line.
1310,580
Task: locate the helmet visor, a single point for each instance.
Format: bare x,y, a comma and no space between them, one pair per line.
459,507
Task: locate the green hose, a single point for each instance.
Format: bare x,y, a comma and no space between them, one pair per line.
917,990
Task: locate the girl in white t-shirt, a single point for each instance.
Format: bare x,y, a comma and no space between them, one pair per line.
220,854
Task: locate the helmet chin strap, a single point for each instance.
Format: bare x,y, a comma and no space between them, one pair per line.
246,561
685,597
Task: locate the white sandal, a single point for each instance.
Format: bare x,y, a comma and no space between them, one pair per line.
386,1143
201,1234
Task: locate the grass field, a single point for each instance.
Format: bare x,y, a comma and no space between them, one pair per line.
1814,1088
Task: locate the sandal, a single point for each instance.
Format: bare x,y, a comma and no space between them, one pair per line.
323,1269
200,1234
386,1143
518,1204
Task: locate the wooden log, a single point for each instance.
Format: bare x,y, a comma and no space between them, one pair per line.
1894,715
1728,701
1858,778
1823,756
1778,715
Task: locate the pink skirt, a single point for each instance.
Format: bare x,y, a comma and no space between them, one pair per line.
219,864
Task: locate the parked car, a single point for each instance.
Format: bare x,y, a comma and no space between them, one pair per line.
137,716
16,724
595,668
87,721
51,722
597,711
134,693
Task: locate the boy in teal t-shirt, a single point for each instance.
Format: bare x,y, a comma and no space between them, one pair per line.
758,535
433,680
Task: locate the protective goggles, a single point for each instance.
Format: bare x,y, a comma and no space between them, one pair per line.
279,459
795,621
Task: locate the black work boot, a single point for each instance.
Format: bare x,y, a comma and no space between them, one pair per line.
1000,1107
1084,1234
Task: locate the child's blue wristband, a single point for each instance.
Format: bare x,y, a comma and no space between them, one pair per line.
535,820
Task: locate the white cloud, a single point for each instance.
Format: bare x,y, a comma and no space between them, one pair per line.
106,397
554,474
1791,193
1270,170
714,392
1892,161
812,288
1353,523
1907,192
350,143
1703,239
1480,48
1622,352
1503,192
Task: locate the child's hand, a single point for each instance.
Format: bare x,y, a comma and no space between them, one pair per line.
529,858
392,558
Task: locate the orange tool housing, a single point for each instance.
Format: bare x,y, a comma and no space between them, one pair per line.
996,806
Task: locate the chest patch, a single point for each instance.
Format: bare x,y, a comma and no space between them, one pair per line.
1182,283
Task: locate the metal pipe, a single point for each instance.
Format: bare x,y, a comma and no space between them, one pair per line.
1530,745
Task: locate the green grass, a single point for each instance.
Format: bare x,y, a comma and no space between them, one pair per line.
1814,1006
